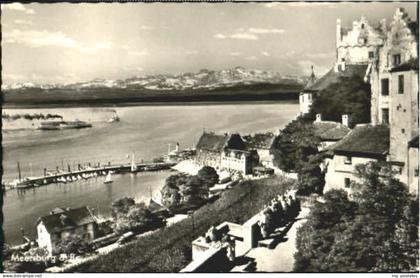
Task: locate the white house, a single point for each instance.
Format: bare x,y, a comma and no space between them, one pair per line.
64,223
365,143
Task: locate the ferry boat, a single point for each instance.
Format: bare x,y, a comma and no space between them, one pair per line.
57,125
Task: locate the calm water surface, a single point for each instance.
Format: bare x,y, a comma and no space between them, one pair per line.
145,131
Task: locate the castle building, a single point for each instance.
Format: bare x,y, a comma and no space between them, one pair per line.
394,86
355,49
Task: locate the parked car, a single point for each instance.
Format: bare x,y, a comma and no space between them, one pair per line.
125,238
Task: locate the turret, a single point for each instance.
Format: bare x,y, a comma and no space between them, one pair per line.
338,32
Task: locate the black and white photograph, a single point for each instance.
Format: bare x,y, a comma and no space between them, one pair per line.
210,137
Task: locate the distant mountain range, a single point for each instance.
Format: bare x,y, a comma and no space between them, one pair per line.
204,79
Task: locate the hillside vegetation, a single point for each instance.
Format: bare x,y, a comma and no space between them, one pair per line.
169,249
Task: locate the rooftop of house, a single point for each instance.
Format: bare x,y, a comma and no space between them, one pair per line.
333,77
330,131
412,64
365,140
210,141
62,219
260,141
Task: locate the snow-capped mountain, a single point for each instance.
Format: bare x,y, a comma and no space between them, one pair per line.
203,79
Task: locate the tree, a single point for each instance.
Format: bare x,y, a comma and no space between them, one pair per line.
322,229
195,191
311,179
349,95
122,206
137,219
294,144
208,176
72,245
376,231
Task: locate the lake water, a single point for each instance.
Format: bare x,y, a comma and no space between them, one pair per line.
145,131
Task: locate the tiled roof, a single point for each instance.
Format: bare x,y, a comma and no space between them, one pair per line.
365,139
412,64
330,131
333,77
212,142
65,219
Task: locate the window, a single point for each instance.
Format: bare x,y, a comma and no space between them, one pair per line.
385,86
385,116
347,182
365,41
363,26
403,130
401,84
416,172
371,54
396,59
347,160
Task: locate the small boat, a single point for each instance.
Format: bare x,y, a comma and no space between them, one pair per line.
108,178
69,178
74,178
114,118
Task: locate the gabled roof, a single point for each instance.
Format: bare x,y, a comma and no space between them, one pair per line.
365,140
212,142
333,77
330,131
412,64
65,219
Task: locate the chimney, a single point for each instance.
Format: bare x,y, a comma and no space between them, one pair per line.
177,147
343,66
318,118
336,67
345,119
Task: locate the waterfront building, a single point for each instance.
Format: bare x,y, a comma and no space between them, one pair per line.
227,151
364,144
62,224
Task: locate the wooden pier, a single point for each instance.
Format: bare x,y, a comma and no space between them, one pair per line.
70,176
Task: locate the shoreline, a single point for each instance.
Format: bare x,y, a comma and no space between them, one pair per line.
6,105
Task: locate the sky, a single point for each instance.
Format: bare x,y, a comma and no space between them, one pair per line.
66,43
